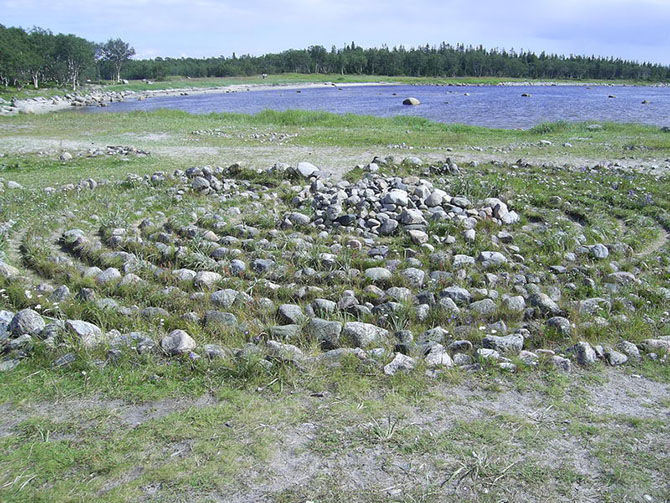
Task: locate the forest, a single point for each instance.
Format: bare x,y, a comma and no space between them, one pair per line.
444,60
37,57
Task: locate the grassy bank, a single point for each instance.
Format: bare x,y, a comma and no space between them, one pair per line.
300,78
175,138
293,130
177,82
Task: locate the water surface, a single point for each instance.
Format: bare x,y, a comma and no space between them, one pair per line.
491,106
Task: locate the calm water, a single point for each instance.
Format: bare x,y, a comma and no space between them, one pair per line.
501,107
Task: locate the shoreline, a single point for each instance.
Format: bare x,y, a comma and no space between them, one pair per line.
43,105
99,97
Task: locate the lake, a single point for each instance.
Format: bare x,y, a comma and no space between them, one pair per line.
491,106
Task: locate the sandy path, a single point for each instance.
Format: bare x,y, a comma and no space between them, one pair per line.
656,244
332,159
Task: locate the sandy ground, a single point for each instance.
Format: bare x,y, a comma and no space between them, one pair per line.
260,87
364,466
331,159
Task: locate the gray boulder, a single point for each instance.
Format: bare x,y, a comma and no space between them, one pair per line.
26,321
291,314
463,260
323,306
438,357
488,354
378,274
491,259
306,169
615,358
89,335
326,333
60,294
107,276
363,334
237,266
223,298
458,294
412,217
200,184
544,303
284,352
515,304
184,274
7,271
584,353
401,363
560,324
484,307
397,197
629,349
656,344
415,277
206,279
7,365
214,351
178,342
599,251
507,344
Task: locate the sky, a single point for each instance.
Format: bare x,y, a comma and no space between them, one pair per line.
630,29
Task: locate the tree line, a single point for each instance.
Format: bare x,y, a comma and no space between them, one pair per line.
444,60
37,55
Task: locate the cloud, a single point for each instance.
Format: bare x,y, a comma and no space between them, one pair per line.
635,29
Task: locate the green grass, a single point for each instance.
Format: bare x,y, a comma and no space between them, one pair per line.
177,82
162,441
146,427
173,130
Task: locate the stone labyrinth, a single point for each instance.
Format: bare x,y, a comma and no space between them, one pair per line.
408,267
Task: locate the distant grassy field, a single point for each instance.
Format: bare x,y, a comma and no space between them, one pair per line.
297,78
178,82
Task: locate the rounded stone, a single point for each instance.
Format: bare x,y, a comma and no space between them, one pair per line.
178,342
26,321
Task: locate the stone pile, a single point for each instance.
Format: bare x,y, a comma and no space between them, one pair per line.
384,206
434,349
334,278
48,104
